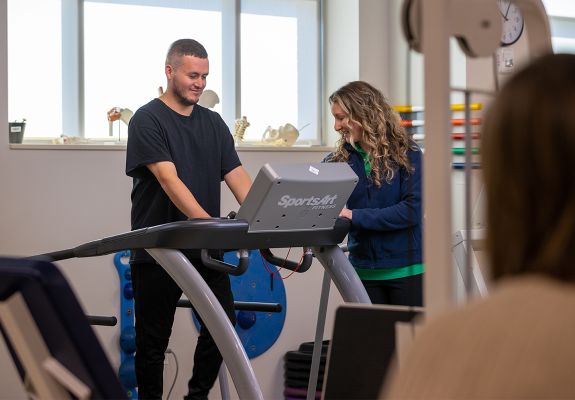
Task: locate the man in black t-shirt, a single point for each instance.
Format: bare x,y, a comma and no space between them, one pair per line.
178,154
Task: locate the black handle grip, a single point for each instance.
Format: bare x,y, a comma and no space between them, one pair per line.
222,266
288,264
101,320
257,306
243,305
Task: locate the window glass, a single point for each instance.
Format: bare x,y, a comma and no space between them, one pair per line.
563,34
560,8
562,21
35,65
124,62
563,45
279,67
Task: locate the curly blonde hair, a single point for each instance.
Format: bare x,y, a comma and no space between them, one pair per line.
383,137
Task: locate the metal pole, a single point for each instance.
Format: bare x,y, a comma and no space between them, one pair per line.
468,164
342,273
223,378
437,159
319,329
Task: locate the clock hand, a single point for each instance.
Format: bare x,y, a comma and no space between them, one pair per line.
507,11
501,12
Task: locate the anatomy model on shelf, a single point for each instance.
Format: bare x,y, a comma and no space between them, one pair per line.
240,127
118,114
285,135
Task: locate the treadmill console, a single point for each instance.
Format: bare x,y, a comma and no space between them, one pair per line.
297,196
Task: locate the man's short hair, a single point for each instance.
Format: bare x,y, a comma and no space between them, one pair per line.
185,47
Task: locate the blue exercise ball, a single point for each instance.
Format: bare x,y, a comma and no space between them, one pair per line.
128,291
128,339
127,373
246,319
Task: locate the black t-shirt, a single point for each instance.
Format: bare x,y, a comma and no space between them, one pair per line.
200,146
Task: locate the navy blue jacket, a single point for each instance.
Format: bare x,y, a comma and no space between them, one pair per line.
386,222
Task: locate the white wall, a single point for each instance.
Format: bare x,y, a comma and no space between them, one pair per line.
361,39
341,52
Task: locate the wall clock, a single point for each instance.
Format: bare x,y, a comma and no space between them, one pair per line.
512,22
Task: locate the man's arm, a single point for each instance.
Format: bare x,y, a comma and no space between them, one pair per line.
166,174
239,182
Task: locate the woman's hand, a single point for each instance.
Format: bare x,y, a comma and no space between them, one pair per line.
345,213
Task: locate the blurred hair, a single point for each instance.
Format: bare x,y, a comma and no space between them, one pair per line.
184,47
528,157
382,134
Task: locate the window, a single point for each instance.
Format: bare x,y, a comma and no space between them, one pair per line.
35,66
124,62
562,21
280,67
95,55
563,34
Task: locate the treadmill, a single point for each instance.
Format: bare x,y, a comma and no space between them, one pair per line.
288,205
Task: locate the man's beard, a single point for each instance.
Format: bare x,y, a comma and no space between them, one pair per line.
183,100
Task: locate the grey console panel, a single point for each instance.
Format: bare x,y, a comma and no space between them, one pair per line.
297,196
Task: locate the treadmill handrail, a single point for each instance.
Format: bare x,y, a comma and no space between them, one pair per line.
302,266
197,234
222,266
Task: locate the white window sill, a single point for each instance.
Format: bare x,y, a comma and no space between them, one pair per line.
295,147
78,144
98,144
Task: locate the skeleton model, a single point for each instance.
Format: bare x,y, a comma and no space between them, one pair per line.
240,128
285,135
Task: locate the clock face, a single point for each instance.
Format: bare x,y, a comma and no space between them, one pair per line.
512,22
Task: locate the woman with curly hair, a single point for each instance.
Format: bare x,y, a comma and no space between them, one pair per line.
384,241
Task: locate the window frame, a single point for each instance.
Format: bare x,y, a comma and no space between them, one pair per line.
73,96
562,28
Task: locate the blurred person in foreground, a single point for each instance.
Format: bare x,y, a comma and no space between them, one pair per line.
518,342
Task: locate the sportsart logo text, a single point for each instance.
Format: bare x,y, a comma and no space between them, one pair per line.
317,203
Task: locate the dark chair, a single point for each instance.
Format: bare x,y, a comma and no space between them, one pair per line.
362,349
48,335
